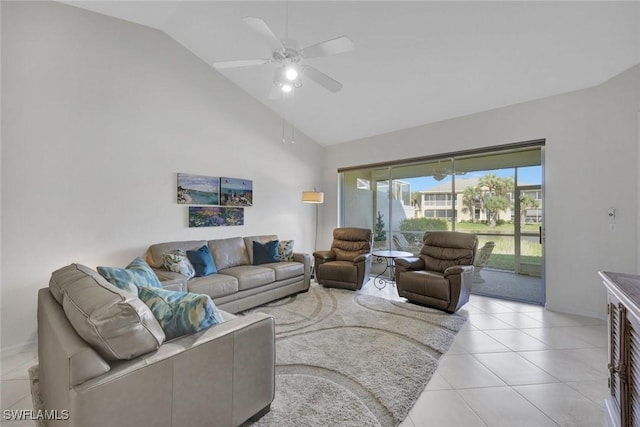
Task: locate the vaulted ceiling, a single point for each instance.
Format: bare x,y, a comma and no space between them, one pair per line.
415,62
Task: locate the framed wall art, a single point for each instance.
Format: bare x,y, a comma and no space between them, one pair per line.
236,192
198,189
215,216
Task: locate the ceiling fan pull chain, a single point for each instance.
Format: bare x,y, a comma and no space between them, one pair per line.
283,121
293,111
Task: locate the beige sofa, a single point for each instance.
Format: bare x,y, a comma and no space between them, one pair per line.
102,358
238,285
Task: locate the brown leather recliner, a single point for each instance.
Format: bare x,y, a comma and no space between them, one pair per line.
348,263
442,274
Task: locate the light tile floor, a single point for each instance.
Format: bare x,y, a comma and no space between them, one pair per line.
512,364
516,364
15,393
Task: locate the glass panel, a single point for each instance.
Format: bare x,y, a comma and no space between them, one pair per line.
424,202
497,196
365,204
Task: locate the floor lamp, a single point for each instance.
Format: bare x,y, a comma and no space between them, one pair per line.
315,197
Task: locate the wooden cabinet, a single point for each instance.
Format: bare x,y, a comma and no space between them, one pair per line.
623,299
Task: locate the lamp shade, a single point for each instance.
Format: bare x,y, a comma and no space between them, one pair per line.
312,197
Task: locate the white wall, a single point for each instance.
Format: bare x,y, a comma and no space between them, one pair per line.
591,164
98,117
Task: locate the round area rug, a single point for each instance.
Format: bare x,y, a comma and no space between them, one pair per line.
348,359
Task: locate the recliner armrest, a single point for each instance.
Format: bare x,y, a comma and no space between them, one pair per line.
325,255
361,258
410,263
457,269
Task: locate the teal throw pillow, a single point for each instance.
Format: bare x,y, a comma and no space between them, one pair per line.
134,276
285,250
265,252
180,313
178,262
202,261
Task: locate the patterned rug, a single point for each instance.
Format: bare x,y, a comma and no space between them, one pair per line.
348,359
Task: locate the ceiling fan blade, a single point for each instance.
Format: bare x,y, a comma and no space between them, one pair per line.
322,79
261,28
328,47
241,63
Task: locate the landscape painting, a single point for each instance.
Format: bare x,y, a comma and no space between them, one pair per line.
198,189
236,192
206,216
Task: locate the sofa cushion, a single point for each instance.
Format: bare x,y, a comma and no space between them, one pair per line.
178,262
286,270
251,276
154,253
202,261
115,323
248,242
229,252
181,313
264,253
215,285
285,250
135,275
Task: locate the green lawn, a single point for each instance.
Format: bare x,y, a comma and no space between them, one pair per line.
502,257
506,262
498,229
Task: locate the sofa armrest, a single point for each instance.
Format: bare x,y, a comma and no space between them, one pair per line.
306,260
407,264
171,280
457,269
65,358
226,372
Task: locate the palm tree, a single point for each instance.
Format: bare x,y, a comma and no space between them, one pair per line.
470,198
495,194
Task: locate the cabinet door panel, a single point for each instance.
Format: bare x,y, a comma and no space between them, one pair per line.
614,352
633,369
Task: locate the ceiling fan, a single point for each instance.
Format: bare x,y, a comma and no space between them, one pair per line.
290,57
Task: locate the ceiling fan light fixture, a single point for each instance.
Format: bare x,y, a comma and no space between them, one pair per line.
287,78
291,73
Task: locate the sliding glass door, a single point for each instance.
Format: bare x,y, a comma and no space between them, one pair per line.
495,195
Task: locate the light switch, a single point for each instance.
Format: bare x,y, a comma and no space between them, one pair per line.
612,227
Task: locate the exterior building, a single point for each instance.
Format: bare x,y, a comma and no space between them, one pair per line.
441,201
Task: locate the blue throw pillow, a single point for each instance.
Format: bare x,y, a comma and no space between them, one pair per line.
134,276
202,261
180,313
265,252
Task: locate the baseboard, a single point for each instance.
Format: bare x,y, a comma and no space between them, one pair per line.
565,310
12,350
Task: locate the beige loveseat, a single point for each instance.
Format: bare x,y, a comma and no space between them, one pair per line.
238,285
102,358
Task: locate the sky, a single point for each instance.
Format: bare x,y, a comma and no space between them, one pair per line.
531,175
207,184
